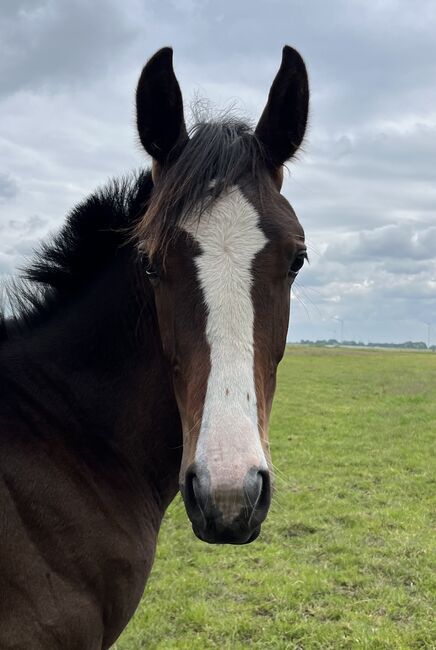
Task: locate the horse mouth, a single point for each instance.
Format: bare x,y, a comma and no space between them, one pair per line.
212,535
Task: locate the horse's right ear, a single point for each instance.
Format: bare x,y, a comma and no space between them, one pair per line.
159,108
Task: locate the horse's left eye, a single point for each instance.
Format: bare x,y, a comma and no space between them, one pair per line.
296,265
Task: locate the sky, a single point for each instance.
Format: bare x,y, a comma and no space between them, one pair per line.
363,186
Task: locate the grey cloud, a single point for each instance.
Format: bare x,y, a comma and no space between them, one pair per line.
402,241
28,225
24,247
53,43
8,187
409,267
6,265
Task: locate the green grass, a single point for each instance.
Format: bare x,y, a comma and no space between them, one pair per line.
346,558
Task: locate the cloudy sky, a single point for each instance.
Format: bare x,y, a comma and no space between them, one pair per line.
364,187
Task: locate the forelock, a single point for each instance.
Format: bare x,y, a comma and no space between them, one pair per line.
217,156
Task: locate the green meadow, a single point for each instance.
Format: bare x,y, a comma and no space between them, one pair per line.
346,558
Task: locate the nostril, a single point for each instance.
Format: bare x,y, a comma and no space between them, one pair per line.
265,489
193,497
189,491
257,492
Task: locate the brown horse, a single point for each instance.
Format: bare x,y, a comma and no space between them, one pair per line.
152,324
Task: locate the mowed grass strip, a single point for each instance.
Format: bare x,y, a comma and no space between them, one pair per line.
346,558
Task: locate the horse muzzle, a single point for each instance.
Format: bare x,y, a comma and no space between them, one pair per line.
226,511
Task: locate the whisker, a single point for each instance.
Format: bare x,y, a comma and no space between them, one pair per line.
313,249
297,297
187,433
307,297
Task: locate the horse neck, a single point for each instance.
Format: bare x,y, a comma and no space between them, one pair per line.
93,376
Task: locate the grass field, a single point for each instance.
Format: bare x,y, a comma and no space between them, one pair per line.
346,558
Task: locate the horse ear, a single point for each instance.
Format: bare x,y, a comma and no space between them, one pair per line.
283,122
159,108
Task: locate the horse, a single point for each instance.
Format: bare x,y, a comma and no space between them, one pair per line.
140,359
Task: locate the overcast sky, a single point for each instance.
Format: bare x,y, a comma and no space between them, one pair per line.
364,187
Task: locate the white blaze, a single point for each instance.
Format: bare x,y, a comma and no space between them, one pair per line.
229,442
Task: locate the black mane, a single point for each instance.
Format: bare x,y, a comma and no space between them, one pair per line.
93,232
217,156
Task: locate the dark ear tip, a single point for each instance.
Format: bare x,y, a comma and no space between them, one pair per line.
291,55
164,56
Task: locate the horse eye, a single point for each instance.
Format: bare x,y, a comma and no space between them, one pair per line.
296,265
151,273
150,270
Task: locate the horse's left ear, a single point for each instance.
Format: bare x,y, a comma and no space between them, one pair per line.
159,108
283,122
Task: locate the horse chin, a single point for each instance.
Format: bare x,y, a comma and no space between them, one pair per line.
226,537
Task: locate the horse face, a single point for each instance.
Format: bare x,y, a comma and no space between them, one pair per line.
223,303
222,290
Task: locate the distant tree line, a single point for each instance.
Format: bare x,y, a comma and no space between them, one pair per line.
407,345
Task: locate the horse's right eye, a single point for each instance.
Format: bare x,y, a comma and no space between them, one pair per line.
151,270
152,273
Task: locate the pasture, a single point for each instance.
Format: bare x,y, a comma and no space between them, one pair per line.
346,557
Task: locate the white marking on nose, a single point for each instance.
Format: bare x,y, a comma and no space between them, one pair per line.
229,443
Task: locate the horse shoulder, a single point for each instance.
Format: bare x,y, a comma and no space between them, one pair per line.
75,552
